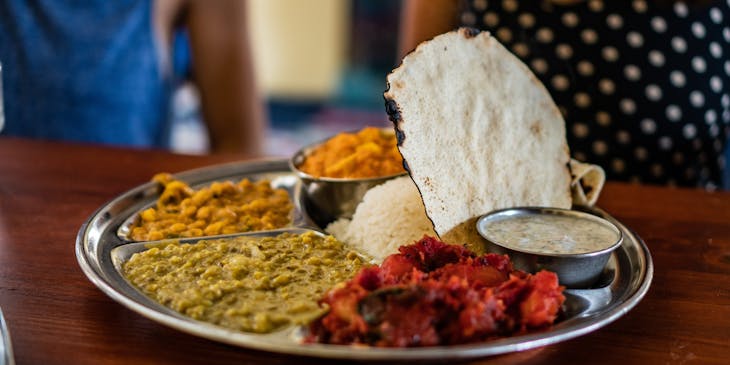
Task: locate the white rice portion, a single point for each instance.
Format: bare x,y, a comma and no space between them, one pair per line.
391,215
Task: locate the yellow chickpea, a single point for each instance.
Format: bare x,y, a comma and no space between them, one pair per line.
224,187
195,232
177,228
149,214
175,191
224,214
138,232
203,213
188,211
229,229
213,228
198,224
201,196
155,235
162,178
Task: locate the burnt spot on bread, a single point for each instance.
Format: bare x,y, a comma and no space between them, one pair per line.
470,32
405,166
399,136
536,128
427,182
391,107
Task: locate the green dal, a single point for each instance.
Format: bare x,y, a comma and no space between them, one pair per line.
251,284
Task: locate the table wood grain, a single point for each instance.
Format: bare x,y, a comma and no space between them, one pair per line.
57,316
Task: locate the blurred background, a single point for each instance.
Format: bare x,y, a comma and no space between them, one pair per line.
321,65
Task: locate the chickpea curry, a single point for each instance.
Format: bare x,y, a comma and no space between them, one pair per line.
371,152
222,208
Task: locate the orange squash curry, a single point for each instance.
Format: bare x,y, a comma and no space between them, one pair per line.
371,152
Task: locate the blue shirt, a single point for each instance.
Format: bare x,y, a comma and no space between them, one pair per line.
83,71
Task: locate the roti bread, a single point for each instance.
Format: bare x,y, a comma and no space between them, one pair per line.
477,132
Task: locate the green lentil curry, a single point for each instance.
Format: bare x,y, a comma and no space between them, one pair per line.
245,283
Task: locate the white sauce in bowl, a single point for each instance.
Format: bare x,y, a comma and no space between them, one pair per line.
551,234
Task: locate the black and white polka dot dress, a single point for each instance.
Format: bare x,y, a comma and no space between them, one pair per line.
644,86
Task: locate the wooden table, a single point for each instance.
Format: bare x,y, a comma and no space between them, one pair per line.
56,316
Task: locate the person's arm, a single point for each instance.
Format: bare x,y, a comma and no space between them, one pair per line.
422,20
223,72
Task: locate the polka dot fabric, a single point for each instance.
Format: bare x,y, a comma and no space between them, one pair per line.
644,86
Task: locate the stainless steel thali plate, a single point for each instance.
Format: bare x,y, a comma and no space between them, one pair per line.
99,251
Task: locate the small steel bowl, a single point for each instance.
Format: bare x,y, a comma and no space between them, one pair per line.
574,270
327,199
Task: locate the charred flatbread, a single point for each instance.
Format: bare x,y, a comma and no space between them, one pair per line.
477,131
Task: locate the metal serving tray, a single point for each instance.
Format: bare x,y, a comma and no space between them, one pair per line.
100,250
